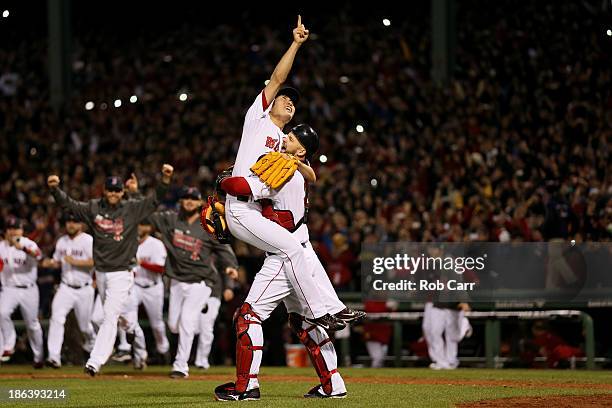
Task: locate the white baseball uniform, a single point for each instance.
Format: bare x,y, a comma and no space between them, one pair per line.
206,330
271,286
187,299
148,289
114,292
244,220
75,292
443,329
97,313
128,322
19,288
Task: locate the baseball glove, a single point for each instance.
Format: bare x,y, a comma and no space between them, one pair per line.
212,219
222,176
274,169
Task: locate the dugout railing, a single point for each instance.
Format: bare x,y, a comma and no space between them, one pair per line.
492,324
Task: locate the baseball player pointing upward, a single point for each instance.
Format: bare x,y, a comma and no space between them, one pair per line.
262,133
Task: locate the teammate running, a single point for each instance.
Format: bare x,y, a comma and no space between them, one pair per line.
74,255
20,257
192,276
113,223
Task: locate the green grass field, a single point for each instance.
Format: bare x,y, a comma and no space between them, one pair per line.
119,386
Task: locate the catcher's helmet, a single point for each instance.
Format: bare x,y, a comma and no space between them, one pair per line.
307,137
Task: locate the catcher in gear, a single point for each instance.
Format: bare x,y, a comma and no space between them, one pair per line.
274,169
287,207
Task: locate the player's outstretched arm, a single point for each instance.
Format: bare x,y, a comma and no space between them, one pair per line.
79,208
146,206
279,76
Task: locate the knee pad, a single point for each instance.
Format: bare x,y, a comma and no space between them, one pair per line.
243,317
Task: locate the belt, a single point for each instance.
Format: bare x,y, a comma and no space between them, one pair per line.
75,286
243,198
271,253
145,286
22,286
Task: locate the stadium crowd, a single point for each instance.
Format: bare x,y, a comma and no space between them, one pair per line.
515,147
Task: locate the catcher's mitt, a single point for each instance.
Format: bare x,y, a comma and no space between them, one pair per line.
212,219
275,169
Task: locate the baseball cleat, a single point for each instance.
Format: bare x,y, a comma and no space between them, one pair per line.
38,365
6,355
227,392
90,370
178,375
350,316
317,392
122,356
140,365
327,322
53,364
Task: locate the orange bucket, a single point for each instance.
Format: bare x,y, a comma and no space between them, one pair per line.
296,355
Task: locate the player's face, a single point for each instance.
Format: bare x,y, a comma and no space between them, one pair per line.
12,233
143,230
113,196
283,108
73,227
189,204
292,145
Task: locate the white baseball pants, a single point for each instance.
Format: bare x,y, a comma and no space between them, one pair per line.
114,289
442,331
66,299
246,223
186,303
207,334
28,300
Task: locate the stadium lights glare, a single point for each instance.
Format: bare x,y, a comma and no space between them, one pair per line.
609,32
386,22
5,13
344,79
183,97
323,158
359,128
133,99
266,82
167,58
374,182
103,106
89,105
117,103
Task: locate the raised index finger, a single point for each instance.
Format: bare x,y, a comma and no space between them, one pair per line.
299,24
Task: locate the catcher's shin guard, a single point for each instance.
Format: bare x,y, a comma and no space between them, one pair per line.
249,346
320,349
